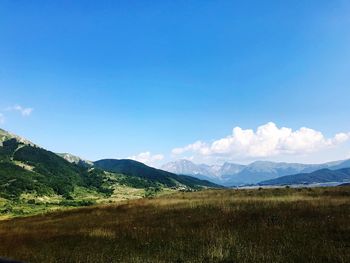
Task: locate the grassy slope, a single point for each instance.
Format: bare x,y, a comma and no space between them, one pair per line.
268,225
26,168
123,188
34,180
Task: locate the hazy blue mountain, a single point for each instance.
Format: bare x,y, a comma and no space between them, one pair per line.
230,174
341,165
187,167
228,169
319,176
264,170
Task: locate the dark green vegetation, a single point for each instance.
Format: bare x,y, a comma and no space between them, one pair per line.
266,225
30,169
320,176
134,168
15,180
34,180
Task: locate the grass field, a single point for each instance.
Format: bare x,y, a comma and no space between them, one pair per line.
32,204
266,225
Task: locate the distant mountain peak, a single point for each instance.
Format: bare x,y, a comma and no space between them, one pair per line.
75,159
187,167
230,174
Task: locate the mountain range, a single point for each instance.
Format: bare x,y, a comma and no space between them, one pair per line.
317,177
231,174
26,168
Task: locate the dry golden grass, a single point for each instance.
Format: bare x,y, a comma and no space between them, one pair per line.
268,225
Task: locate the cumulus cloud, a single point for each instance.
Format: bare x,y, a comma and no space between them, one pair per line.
197,146
2,118
147,158
267,141
22,110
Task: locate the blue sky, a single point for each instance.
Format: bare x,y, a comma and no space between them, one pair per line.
119,78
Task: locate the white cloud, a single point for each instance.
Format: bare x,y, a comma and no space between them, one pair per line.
197,146
22,110
147,158
267,141
2,118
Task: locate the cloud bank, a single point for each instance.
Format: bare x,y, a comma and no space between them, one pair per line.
147,158
267,141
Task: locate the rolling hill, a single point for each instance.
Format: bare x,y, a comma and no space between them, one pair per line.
134,168
320,176
25,168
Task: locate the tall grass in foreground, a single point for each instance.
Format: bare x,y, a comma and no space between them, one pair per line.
267,225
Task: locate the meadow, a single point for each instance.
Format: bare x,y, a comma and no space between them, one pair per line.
260,225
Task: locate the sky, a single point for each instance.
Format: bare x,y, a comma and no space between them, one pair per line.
156,81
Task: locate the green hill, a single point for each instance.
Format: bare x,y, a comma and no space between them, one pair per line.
26,168
32,178
137,169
